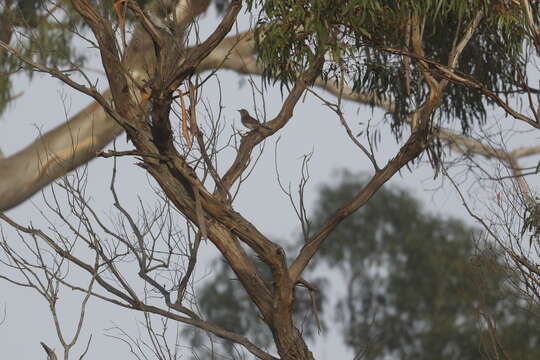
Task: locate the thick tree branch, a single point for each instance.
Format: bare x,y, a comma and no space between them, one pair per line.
415,144
256,136
421,130
78,140
54,154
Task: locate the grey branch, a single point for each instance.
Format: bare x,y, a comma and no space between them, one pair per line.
50,352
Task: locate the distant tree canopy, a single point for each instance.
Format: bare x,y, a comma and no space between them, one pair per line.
224,302
417,286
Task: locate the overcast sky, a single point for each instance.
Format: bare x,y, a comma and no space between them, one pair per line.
47,103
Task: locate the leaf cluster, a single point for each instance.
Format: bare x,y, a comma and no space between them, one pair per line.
44,32
353,34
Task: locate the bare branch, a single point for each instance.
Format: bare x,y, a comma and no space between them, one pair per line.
50,352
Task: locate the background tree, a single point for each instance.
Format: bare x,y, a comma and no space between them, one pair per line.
421,61
418,286
222,301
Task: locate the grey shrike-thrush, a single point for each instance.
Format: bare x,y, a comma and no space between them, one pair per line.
249,121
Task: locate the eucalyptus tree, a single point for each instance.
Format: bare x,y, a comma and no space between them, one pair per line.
426,63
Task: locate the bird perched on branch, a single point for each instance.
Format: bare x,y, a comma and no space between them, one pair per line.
249,121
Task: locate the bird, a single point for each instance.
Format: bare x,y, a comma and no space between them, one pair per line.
249,121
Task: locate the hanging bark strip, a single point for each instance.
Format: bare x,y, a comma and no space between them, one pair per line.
185,129
121,14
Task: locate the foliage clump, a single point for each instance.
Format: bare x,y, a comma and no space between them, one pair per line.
356,36
44,32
